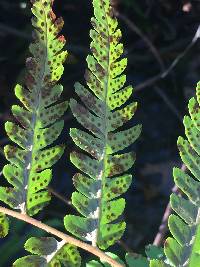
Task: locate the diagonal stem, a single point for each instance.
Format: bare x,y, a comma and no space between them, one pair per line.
68,239
163,228
146,40
164,74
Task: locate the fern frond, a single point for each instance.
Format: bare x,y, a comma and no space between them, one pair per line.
102,112
39,117
49,252
184,248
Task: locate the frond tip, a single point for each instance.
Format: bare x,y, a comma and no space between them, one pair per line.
104,168
39,117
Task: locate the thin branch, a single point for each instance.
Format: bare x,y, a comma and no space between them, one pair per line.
163,228
59,196
135,29
181,55
13,31
172,66
68,239
125,246
169,103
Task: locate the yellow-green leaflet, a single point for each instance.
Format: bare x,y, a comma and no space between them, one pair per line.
39,116
48,252
101,108
183,248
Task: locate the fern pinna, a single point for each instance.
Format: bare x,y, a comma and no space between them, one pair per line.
39,118
50,253
184,249
133,259
101,114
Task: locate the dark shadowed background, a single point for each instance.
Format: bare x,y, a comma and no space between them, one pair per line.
155,33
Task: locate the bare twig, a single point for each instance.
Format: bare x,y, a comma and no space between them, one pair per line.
169,103
14,31
156,54
68,239
125,246
181,55
59,196
172,66
135,29
163,228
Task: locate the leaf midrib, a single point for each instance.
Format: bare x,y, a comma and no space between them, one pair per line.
101,196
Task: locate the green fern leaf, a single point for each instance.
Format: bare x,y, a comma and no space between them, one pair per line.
104,179
4,225
30,161
184,248
152,252
132,259
49,252
136,261
94,263
158,263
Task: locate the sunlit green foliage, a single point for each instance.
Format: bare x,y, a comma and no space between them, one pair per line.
49,252
4,225
184,248
152,252
94,263
39,117
102,112
132,259
158,263
107,158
